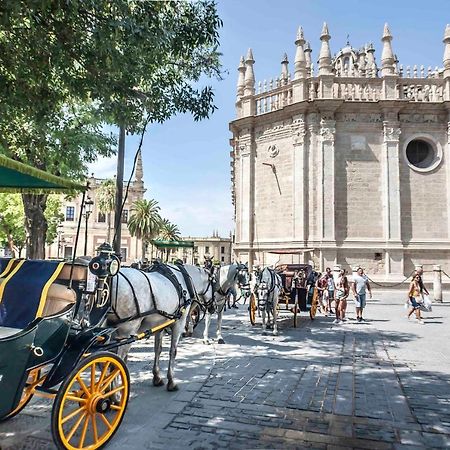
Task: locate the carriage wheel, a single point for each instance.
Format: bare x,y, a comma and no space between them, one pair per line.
252,307
91,403
27,394
314,304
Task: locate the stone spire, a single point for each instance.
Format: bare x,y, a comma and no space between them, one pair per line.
308,56
249,79
138,179
447,51
387,55
300,59
362,62
371,67
241,78
284,69
325,53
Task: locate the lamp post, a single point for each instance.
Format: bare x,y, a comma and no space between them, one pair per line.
87,212
59,232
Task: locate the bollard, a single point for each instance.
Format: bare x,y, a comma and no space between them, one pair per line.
437,283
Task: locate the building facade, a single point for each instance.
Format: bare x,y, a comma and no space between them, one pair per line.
214,247
97,223
347,164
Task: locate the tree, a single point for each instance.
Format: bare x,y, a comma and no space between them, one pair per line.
145,221
106,200
67,66
12,232
169,232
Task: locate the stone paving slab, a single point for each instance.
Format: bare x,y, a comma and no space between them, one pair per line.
382,384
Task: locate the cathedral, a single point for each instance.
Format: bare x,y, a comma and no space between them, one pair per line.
344,163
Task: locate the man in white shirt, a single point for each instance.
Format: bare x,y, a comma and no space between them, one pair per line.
360,282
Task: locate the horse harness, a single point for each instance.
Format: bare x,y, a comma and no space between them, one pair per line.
166,271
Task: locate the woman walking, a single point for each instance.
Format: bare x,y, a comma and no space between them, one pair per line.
342,291
415,294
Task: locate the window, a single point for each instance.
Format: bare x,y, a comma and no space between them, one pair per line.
207,249
378,256
101,217
195,249
124,216
222,249
68,252
222,258
70,213
123,253
420,153
195,261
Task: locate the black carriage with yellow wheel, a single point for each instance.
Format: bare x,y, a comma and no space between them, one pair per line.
52,342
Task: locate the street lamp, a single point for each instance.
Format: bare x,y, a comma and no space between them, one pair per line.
59,232
88,204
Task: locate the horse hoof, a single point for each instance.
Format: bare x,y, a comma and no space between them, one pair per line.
172,387
206,341
158,382
275,333
221,341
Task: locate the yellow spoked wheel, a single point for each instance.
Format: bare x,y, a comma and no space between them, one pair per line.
91,403
252,308
314,304
34,378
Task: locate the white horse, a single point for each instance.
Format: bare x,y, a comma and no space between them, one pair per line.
140,301
213,289
267,291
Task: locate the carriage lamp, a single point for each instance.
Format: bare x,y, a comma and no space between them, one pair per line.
106,263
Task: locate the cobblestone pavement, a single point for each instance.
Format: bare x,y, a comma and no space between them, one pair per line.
382,384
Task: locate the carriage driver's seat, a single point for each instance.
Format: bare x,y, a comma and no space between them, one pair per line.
28,291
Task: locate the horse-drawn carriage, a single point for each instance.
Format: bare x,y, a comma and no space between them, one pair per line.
52,339
288,287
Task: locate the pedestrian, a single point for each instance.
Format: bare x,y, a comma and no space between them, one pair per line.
415,294
419,271
310,284
359,285
330,288
297,283
342,291
322,291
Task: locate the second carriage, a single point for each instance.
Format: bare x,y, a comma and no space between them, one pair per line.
297,292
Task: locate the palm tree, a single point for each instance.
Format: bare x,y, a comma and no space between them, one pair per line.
145,221
106,201
169,232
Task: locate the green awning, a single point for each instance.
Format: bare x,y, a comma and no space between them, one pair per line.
173,244
18,177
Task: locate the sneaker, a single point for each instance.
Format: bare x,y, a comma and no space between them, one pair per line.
344,320
359,319
336,321
421,322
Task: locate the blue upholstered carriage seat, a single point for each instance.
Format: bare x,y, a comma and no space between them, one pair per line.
28,290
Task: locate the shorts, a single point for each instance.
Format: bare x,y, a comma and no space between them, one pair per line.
331,294
414,303
360,301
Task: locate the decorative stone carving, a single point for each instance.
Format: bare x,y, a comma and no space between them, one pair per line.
273,132
391,133
298,131
273,151
327,129
419,118
244,149
362,117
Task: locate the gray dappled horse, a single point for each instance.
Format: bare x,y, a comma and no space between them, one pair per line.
135,293
267,291
213,290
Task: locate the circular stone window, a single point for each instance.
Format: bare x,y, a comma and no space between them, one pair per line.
421,154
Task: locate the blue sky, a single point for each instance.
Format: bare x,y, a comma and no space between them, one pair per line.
187,163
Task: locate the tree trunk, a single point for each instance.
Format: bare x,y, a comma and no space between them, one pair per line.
144,247
35,224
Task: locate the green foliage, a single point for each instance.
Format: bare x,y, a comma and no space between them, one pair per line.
106,196
12,230
145,221
169,231
130,57
54,217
